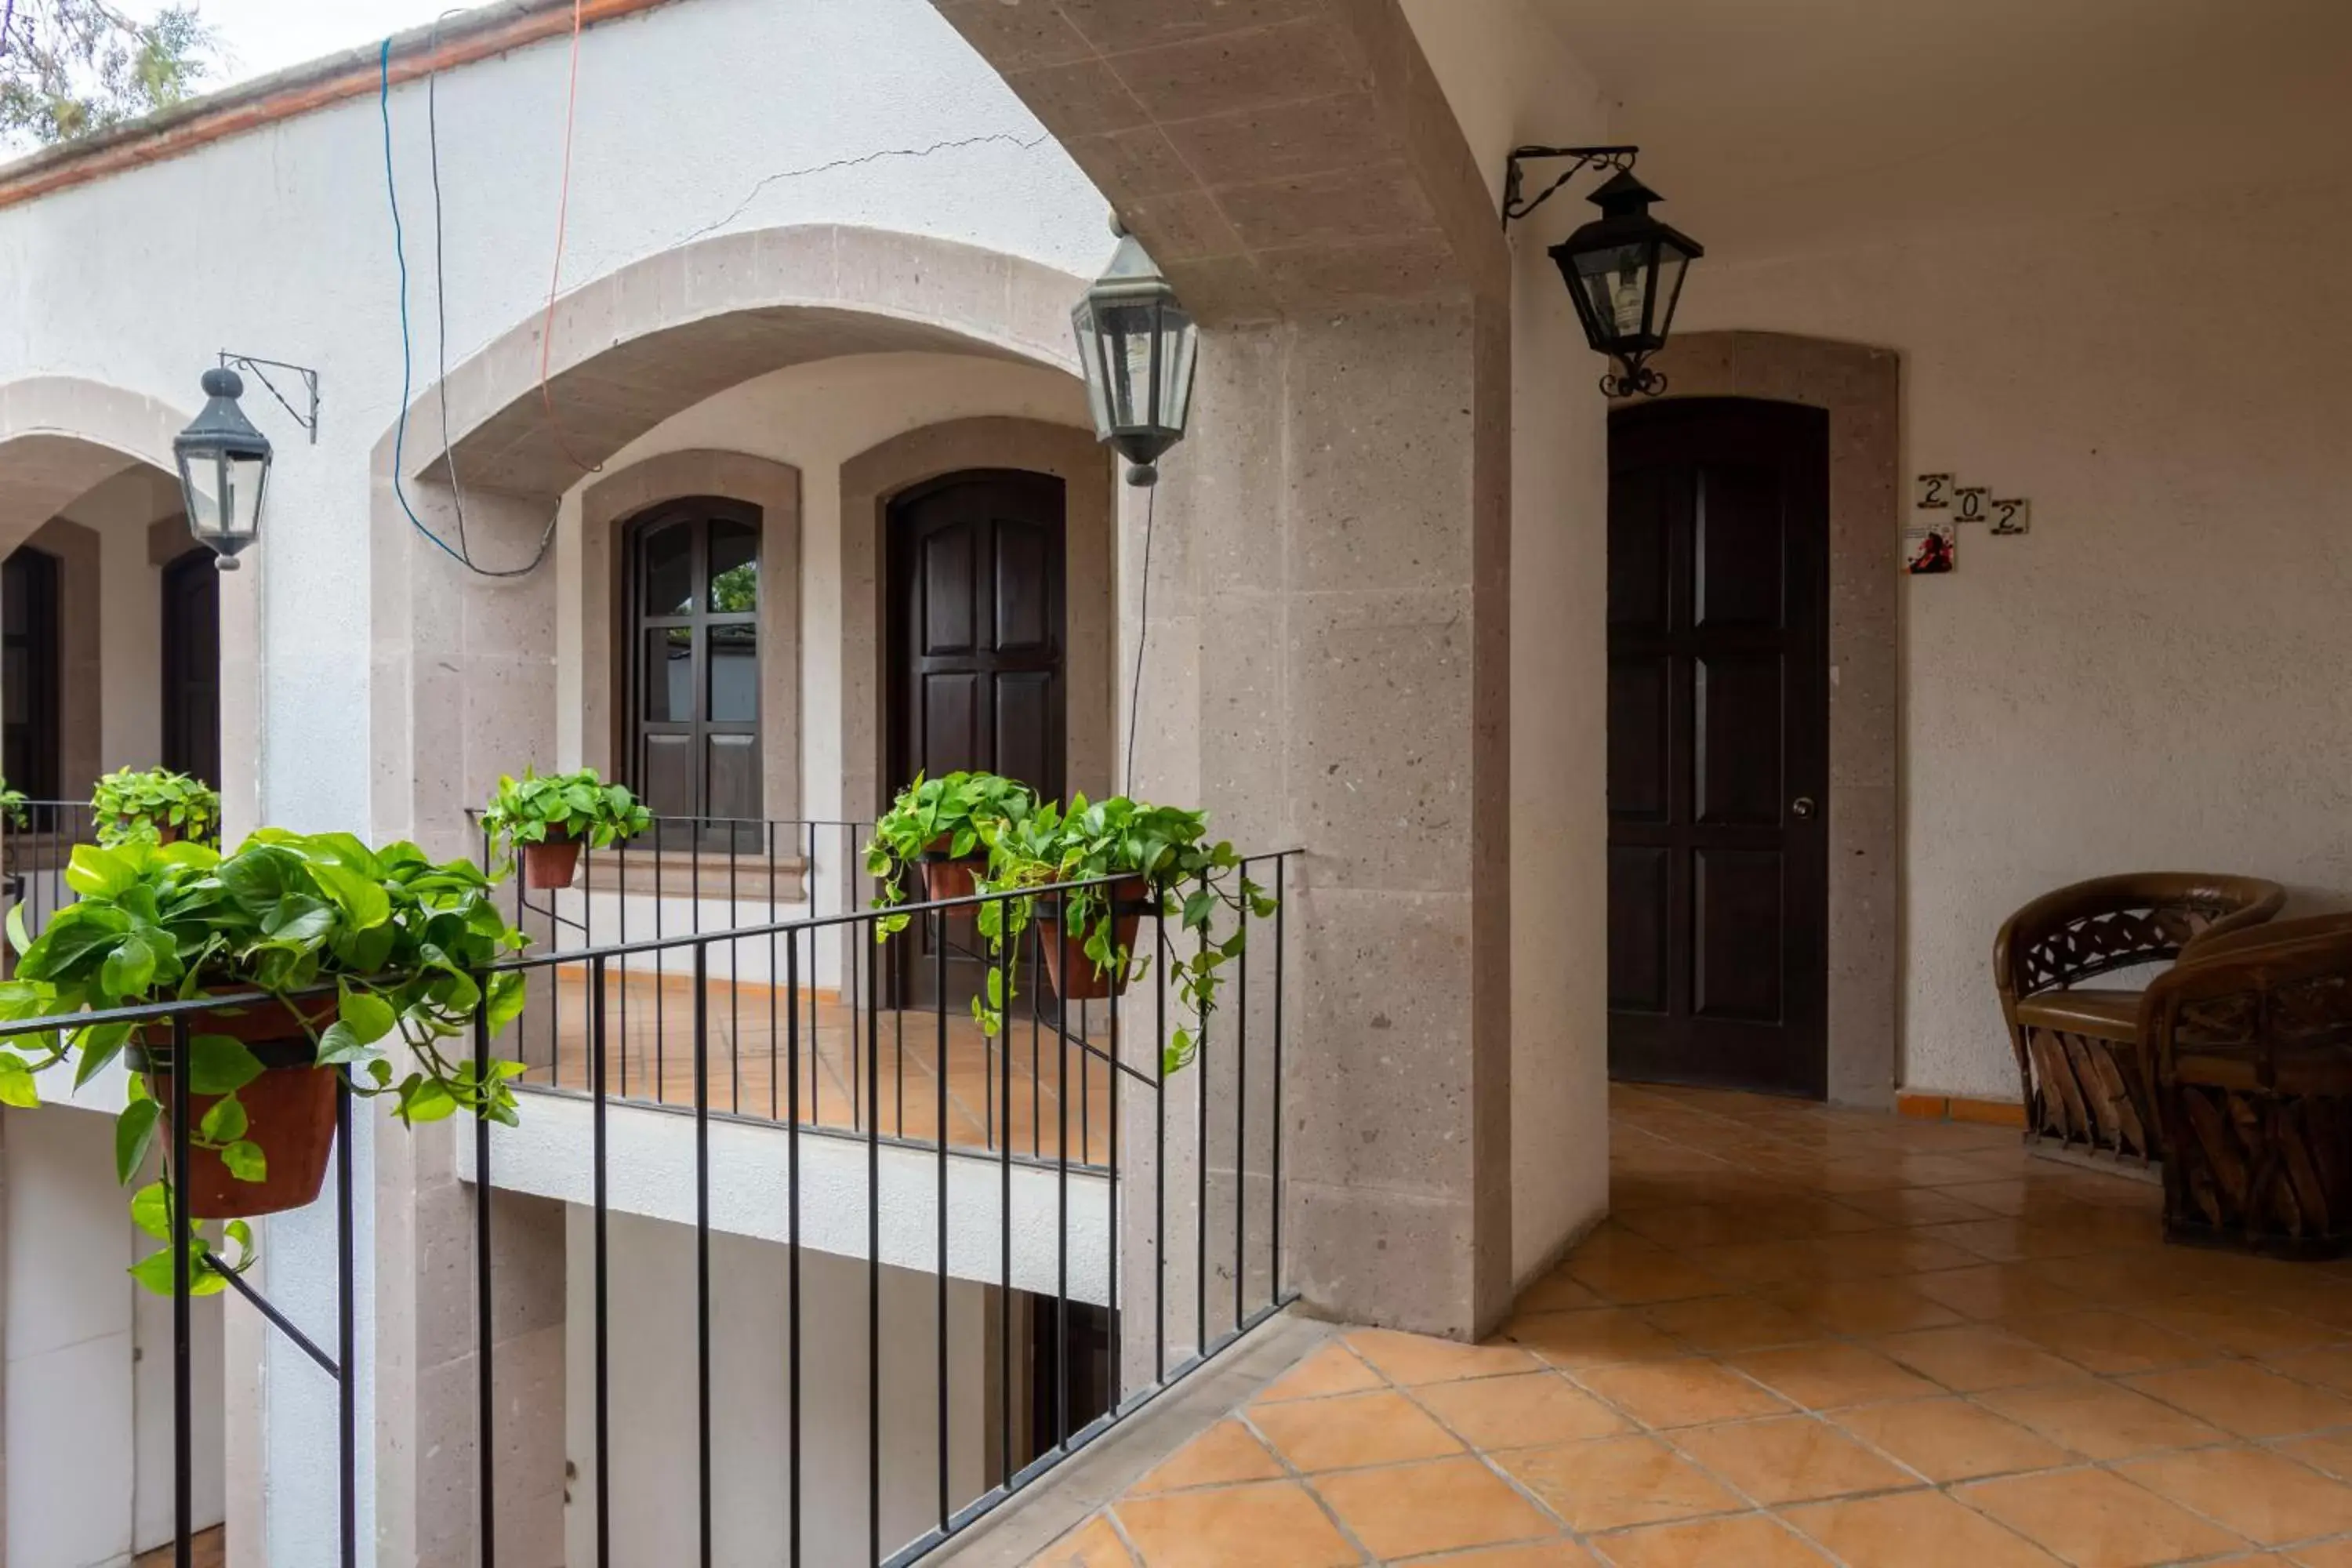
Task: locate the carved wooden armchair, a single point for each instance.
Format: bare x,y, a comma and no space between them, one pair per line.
2252,1049
2080,1053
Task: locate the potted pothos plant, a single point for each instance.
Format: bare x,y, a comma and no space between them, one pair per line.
356,953
546,820
155,804
13,807
942,828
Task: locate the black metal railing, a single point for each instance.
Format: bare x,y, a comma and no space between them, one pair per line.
39,843
1178,1170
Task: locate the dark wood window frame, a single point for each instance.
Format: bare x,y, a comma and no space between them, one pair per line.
698,513
34,763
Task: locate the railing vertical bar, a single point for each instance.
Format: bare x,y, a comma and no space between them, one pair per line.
1281,953
1201,1163
183,1445
1036,1072
1111,1229
485,1438
347,1341
1004,961
809,886
940,1062
793,1220
775,1089
621,880
735,990
1062,1183
873,1259
702,1236
1159,1152
598,1175
1241,1105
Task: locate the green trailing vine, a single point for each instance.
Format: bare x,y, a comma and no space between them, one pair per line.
386,946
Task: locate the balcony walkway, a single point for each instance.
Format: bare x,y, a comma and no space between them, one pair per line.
649,1045
1807,1337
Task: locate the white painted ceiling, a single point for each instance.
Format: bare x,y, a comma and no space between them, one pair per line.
1774,124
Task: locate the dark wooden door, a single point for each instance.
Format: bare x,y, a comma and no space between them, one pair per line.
29,683
1718,745
191,667
976,643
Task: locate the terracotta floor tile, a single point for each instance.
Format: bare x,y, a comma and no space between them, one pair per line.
2330,1368
1556,1292
1952,1440
1418,1358
1719,1324
1094,1544
1861,1306
1695,1226
1916,1206
1825,1377
2332,1453
2249,1400
1224,1453
1993,1290
1416,1509
1882,1253
2101,1341
2265,1497
1523,1412
2238,1326
1975,1357
1749,1540
2005,1239
1914,1529
2096,1520
2330,1555
1680,1393
2101,1420
1630,1279
1378,1428
1560,1554
1269,1524
1609,1336
1793,1458
1334,1369
1615,1481
1762,1263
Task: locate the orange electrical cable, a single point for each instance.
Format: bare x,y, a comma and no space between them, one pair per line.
555,280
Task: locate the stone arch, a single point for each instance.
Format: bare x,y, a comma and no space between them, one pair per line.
868,483
1861,388
61,437
605,509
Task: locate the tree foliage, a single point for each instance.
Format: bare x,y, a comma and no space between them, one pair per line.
68,68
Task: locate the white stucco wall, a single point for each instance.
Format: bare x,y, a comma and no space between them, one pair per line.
652,1398
89,1375
1511,83
2150,678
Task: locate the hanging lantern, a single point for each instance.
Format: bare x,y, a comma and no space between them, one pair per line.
1138,347
1624,272
224,469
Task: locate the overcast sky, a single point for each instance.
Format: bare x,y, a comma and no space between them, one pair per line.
265,35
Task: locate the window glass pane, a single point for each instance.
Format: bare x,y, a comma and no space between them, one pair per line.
734,674
734,568
666,565
668,695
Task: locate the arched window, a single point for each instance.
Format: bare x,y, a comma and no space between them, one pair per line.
694,659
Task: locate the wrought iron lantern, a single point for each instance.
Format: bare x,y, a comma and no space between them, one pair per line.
1625,271
224,469
1138,346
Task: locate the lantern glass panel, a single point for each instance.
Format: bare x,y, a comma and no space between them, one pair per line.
1616,285
204,478
1673,260
1130,336
1093,367
1180,351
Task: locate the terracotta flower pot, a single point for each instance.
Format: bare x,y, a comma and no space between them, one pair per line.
165,833
944,876
1129,898
551,865
290,1109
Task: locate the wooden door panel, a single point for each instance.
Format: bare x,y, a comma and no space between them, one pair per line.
1717,724
1027,617
733,762
950,740
950,583
666,766
1026,723
1736,719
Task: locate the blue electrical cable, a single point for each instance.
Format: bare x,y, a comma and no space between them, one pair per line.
407,350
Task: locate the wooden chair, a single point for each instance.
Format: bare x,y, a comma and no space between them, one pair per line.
2252,1049
2079,1052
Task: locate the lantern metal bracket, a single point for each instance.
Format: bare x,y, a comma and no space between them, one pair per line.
261,369
1516,204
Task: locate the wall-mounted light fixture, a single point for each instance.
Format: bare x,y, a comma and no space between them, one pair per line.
1138,346
1625,269
224,469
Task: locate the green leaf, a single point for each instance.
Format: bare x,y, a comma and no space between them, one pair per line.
134,1134
129,969
361,897
220,1065
97,873
246,1162
150,1211
98,1046
17,1085
224,1122
154,1271
369,1016
426,1099
338,1045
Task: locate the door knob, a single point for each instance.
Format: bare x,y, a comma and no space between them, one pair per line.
1802,805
